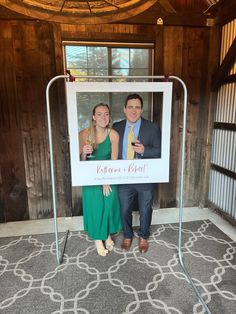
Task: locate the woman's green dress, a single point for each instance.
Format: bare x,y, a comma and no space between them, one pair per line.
101,213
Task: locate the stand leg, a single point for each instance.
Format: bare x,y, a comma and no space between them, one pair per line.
181,200
64,246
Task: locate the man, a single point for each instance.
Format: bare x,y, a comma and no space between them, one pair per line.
147,145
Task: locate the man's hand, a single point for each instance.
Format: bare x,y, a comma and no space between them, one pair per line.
138,147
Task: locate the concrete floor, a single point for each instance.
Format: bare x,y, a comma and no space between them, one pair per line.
160,216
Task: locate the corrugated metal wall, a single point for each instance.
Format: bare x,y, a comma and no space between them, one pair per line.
222,184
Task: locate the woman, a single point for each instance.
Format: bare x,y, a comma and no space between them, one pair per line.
101,208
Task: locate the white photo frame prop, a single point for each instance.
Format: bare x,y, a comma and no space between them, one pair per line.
118,171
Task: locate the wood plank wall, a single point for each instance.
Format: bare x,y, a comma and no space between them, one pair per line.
28,62
31,54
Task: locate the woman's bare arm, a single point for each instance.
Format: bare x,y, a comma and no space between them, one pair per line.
114,137
82,143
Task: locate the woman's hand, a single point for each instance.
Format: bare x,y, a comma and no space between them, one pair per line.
87,149
107,190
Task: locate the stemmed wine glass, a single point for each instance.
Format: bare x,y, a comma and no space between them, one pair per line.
133,143
90,141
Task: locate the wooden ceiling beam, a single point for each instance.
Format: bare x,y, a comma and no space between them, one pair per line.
230,79
222,72
183,19
225,11
167,6
173,19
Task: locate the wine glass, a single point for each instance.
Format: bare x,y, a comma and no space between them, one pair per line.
90,141
133,143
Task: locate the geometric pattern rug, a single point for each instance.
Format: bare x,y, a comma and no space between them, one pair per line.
31,281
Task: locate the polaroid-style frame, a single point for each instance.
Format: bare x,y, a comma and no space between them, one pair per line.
118,171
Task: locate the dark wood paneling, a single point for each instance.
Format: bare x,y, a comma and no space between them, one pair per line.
193,73
14,197
31,54
172,55
62,141
159,50
207,111
32,44
13,190
108,32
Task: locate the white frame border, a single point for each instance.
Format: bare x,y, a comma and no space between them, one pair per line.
118,171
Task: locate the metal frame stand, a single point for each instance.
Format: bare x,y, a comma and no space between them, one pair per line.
59,254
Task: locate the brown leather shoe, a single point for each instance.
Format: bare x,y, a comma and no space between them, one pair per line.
143,245
126,244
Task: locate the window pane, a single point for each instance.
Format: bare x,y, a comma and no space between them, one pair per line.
97,72
139,72
76,57
78,71
139,58
120,58
98,57
120,72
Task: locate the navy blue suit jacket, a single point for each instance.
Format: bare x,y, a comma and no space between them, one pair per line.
149,136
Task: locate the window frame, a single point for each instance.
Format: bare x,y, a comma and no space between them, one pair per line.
110,45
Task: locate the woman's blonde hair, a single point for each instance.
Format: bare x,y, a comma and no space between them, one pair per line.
92,125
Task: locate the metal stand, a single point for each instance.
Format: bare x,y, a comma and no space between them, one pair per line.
181,198
59,254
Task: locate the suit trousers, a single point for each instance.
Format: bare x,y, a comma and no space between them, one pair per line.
145,194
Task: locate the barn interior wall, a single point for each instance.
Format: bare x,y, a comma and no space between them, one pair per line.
222,186
31,54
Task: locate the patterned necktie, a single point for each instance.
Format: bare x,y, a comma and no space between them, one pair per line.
129,150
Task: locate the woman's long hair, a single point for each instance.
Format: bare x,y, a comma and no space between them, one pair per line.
92,124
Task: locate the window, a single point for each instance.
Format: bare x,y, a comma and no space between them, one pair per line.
97,59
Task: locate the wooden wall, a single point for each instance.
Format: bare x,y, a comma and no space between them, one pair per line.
28,62
31,54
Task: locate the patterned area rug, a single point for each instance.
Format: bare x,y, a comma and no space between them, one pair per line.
32,282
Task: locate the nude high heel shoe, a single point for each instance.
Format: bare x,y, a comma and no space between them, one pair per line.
109,243
100,248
